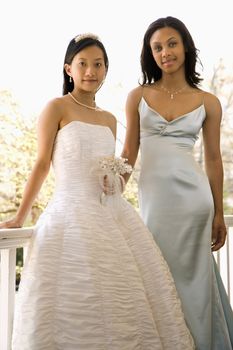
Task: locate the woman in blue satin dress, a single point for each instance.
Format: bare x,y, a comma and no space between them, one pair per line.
179,202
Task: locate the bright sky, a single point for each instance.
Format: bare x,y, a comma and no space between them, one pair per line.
34,36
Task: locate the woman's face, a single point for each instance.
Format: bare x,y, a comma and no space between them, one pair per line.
87,69
168,49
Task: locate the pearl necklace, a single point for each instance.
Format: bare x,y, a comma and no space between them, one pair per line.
82,104
172,93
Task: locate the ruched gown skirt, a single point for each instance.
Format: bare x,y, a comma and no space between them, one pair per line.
94,280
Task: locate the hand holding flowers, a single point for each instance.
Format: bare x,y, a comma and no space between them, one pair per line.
110,171
113,168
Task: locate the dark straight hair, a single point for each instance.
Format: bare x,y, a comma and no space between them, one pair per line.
73,48
150,70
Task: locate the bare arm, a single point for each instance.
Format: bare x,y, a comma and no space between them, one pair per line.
47,129
214,167
112,122
132,138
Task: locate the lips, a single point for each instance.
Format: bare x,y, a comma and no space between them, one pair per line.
168,63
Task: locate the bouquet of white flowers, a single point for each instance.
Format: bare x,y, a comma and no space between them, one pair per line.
111,169
116,165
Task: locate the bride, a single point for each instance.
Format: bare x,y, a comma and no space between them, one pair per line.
92,280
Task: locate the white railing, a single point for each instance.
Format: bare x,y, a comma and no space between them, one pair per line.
11,239
224,258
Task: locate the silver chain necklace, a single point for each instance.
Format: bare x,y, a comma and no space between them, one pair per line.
172,93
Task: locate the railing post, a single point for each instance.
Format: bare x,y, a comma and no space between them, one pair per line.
7,296
229,245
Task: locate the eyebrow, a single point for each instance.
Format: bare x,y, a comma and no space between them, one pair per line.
158,42
96,59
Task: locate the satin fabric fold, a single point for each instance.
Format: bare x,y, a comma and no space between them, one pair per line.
177,206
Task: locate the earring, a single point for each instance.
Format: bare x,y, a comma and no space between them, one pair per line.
70,80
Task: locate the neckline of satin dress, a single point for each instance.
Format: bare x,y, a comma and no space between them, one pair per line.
177,118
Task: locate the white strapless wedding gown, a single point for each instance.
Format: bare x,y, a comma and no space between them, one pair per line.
91,282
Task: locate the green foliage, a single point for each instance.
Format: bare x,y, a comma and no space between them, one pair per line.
18,147
221,85
131,192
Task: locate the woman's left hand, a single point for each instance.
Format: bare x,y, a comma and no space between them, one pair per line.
219,233
108,188
113,187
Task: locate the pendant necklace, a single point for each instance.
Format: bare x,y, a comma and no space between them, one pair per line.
172,93
82,104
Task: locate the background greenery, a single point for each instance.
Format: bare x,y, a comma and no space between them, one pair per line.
18,146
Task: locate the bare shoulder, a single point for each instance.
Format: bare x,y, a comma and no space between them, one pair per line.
53,111
111,121
135,94
212,105
111,118
54,105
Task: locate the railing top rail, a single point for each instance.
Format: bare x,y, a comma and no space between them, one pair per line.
15,237
22,232
20,236
228,220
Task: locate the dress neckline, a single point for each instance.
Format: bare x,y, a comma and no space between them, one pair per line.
87,124
175,119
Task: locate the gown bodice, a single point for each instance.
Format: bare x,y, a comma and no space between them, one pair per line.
75,157
182,131
167,147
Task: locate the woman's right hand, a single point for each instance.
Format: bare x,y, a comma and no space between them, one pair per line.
12,223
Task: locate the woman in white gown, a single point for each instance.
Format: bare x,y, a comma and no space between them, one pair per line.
90,281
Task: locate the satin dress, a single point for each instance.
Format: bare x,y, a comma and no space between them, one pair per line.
176,204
